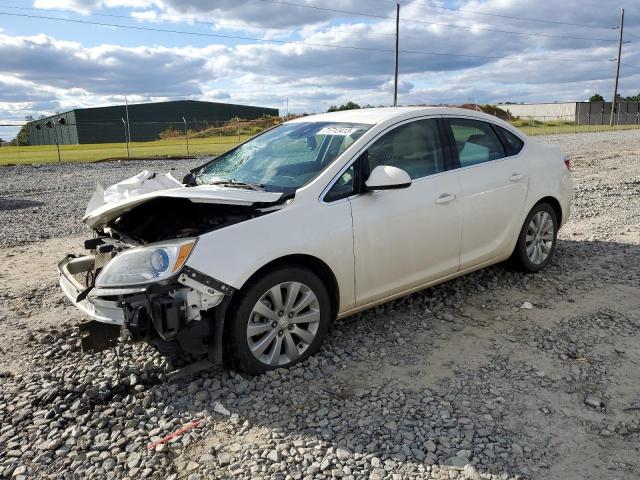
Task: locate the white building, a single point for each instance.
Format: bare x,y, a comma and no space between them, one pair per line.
543,111
582,113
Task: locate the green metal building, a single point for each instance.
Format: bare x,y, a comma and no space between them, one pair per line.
145,121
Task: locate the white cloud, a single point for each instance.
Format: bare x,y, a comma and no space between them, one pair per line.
44,74
108,69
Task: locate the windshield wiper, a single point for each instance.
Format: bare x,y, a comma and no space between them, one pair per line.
233,183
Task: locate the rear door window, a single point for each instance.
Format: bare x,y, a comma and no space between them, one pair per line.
476,141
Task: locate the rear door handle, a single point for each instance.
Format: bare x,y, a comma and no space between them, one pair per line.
516,177
445,198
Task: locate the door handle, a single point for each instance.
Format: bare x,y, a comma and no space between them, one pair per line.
516,177
445,198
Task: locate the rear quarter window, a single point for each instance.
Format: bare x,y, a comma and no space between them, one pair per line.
513,144
476,141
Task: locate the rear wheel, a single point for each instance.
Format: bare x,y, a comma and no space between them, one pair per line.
537,239
280,320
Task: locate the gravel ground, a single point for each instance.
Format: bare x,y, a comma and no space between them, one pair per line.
48,201
496,375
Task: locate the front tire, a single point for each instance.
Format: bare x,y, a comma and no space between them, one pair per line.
280,320
537,240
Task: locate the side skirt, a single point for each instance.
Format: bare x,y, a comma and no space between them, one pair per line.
395,296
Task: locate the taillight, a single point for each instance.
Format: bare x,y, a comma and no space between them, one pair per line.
567,162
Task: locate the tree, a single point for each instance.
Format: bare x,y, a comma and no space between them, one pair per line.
22,138
346,106
596,98
631,98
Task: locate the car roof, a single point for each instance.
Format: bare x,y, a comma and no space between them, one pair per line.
373,116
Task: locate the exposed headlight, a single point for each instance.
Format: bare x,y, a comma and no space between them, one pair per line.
145,264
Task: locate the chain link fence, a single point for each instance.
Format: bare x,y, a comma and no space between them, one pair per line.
63,141
557,124
189,138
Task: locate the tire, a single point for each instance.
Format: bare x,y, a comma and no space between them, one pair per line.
536,242
297,329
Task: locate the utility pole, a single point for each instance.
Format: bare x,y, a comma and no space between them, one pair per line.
395,80
126,137
615,87
126,109
186,133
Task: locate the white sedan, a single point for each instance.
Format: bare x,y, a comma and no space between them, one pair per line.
252,257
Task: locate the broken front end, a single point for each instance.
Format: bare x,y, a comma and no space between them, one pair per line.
135,281
145,294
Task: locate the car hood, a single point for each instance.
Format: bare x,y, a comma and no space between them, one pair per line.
214,194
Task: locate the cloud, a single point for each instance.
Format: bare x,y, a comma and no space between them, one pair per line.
262,12
43,74
107,69
216,94
404,86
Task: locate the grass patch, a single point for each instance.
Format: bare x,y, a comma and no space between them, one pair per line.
531,127
215,141
94,152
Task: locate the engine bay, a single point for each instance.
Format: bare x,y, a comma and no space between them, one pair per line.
171,218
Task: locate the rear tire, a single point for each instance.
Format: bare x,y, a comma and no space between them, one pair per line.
537,240
279,320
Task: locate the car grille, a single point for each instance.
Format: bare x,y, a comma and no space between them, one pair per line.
102,259
88,277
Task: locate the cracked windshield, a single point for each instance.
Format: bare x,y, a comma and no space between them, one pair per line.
284,158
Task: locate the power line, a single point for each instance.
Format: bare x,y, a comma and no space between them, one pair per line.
498,15
166,20
334,10
293,42
425,22
414,5
184,32
127,17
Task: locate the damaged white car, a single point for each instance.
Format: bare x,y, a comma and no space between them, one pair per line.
252,257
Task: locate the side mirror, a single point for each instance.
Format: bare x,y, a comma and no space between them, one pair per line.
386,177
189,180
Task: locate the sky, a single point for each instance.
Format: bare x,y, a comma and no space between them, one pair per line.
275,53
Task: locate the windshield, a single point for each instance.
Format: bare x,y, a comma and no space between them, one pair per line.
284,158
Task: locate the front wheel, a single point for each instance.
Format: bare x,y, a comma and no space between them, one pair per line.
537,239
280,320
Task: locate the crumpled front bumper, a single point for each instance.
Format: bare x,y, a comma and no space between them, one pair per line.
71,269
169,310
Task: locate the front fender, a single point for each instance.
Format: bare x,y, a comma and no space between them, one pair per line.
233,254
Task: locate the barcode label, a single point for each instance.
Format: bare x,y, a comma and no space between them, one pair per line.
338,131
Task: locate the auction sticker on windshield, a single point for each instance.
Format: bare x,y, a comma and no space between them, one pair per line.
344,131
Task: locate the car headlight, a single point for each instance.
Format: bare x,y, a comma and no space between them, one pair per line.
147,264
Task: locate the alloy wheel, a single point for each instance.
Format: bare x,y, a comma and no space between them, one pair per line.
283,323
539,239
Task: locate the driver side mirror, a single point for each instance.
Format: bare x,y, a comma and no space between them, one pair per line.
189,179
386,177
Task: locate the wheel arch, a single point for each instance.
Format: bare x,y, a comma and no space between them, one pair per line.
314,264
555,204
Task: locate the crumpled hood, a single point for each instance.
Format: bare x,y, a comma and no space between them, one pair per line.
144,182
200,194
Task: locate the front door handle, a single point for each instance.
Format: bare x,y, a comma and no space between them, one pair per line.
445,198
516,177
